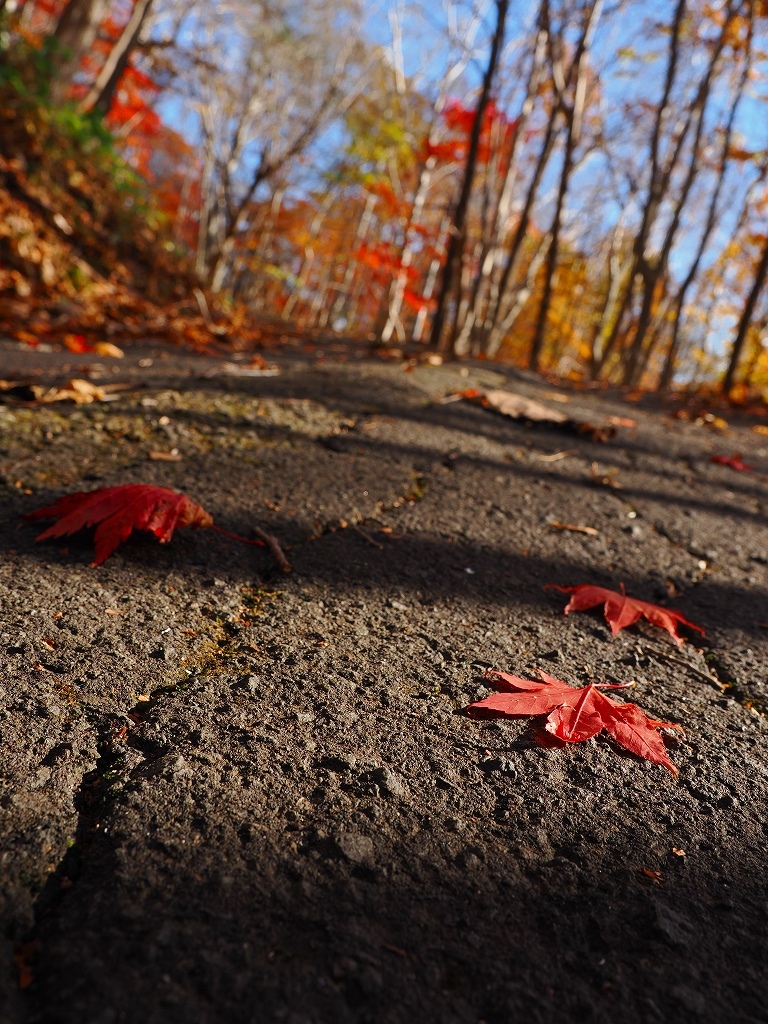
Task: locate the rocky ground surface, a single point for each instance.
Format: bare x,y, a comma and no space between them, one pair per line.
233,795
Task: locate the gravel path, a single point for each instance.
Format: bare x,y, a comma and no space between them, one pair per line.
233,795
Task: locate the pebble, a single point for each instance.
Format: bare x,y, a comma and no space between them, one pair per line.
388,782
356,848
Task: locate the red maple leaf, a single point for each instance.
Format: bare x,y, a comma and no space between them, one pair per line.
576,714
734,461
622,611
120,510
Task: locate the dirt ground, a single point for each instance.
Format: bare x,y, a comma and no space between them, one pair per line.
232,795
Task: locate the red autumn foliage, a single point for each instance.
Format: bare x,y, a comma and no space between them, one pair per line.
576,714
734,461
622,611
120,510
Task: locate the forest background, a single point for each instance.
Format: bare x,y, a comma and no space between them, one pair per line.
575,186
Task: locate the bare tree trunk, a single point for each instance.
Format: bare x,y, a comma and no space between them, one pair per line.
522,295
573,113
102,91
75,34
429,287
499,291
484,294
456,242
654,272
363,226
745,320
669,365
659,178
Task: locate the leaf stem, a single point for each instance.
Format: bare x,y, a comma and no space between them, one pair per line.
236,536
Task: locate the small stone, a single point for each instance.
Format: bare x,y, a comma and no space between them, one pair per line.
676,928
164,653
691,999
42,775
169,766
398,606
388,782
555,655
355,847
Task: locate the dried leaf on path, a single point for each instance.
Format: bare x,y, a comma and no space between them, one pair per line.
518,407
733,461
622,611
107,350
117,511
82,392
576,714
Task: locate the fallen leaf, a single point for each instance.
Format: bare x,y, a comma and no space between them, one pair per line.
607,478
590,531
518,407
655,876
760,428
22,957
576,714
622,421
117,511
29,339
622,611
75,343
107,350
677,852
82,392
112,611
734,461
171,456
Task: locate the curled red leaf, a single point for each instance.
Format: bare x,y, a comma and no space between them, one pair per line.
117,511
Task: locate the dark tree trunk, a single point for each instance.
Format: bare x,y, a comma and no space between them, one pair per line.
102,91
75,34
746,320
456,241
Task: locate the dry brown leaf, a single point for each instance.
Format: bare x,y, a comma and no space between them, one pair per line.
518,407
107,350
622,421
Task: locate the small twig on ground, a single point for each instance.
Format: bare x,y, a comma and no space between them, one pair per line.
367,537
557,455
274,546
668,656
